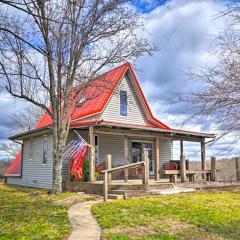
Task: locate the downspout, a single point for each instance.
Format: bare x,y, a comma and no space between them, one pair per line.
22,156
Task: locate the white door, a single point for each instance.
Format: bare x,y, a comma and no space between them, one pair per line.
147,148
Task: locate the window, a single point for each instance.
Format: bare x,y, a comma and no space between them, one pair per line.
31,149
82,100
45,149
123,103
97,150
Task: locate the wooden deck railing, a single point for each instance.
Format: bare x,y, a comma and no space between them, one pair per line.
107,173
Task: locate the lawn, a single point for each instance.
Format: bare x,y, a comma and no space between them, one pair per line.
182,216
27,213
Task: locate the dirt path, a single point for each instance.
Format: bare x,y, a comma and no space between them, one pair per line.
85,226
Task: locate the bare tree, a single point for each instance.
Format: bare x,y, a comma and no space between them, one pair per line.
220,97
10,148
50,47
26,118
21,120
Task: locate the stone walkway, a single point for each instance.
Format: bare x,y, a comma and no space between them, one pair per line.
85,226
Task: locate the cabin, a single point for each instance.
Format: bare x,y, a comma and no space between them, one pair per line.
125,140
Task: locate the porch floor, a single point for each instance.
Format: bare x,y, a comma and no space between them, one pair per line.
135,185
137,182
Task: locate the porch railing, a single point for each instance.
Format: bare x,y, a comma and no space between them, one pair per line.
107,173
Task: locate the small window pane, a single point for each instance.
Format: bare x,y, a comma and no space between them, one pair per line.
96,151
45,149
31,149
123,103
96,140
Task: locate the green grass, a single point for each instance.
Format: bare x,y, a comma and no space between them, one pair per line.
186,216
27,213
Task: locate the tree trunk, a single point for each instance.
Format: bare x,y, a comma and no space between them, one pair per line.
57,165
57,178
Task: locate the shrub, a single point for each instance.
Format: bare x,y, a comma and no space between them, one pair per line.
85,171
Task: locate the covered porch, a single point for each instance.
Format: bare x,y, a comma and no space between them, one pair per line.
143,155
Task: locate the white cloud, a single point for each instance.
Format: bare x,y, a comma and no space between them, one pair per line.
185,32
8,105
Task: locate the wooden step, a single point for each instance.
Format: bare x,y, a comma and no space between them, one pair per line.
126,187
130,193
160,186
121,192
115,196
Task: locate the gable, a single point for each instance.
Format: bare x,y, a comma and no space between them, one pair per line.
135,111
103,104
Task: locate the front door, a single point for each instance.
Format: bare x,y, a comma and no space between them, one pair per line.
138,148
147,148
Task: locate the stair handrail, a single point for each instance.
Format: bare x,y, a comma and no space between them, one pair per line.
145,173
123,167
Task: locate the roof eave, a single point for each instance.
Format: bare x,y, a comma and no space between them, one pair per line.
32,132
135,127
12,175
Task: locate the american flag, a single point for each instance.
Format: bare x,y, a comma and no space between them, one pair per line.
76,151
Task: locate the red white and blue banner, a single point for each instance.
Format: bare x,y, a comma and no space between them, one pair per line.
76,151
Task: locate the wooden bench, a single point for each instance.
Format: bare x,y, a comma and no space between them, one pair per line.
174,177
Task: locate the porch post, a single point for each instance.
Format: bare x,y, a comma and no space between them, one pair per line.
237,161
157,159
182,163
108,163
146,168
126,158
213,167
203,158
92,155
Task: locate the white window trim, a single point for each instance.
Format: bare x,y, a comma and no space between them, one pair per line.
123,90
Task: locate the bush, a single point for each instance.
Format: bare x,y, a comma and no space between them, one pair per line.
85,171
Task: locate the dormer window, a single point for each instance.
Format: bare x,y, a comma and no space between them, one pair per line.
123,103
82,100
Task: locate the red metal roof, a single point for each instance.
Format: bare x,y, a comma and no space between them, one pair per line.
101,89
15,167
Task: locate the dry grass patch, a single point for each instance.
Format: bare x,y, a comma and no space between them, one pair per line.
161,229
74,198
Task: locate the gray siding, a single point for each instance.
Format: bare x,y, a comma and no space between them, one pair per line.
113,145
34,173
135,112
166,148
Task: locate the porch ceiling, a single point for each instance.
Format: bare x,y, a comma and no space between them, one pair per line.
153,132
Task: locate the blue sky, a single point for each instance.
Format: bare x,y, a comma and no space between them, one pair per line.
184,30
146,6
